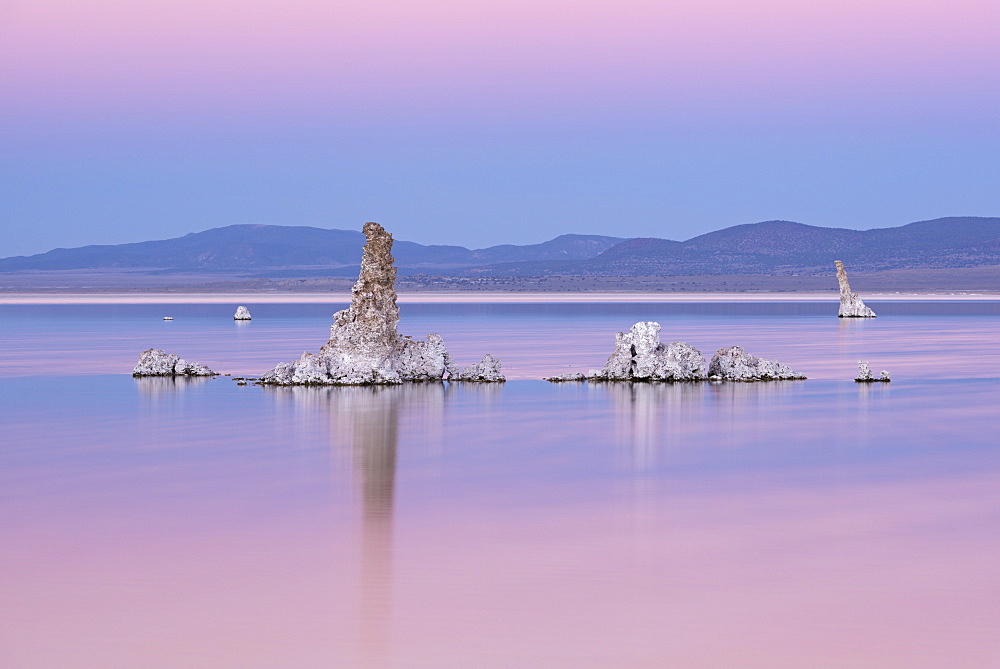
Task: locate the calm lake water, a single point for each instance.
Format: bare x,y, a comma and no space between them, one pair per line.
819,523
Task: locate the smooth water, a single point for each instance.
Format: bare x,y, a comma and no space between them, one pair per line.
161,522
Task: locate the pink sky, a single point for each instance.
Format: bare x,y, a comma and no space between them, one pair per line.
514,54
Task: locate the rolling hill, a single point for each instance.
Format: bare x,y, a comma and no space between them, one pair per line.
769,247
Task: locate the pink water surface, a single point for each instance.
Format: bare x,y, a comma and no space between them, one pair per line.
163,523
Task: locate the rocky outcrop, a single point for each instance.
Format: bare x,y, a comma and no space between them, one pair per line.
640,356
564,378
735,364
851,305
242,314
365,347
865,374
486,370
154,362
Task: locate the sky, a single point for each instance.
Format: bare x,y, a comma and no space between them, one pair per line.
479,123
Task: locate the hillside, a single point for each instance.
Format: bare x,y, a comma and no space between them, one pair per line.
259,247
778,247
769,247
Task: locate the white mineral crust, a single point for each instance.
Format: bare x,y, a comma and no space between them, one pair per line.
486,370
242,314
851,305
562,378
365,347
154,362
640,356
735,364
865,374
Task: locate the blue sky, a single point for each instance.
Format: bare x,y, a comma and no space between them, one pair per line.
123,124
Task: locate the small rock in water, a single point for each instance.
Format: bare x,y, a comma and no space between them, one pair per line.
486,370
851,305
865,374
242,314
155,362
735,364
563,378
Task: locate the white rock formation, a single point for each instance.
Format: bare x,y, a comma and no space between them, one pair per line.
365,347
486,370
865,374
851,305
639,356
735,364
154,362
242,314
562,378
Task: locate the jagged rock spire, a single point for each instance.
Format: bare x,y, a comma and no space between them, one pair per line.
851,305
373,297
365,346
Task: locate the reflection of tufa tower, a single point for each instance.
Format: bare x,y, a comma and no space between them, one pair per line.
372,415
368,420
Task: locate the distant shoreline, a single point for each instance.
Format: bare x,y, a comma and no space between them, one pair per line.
470,297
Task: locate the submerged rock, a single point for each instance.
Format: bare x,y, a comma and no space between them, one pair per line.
865,374
242,314
735,364
365,347
640,356
851,305
154,362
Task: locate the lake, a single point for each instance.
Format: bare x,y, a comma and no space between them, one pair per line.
195,522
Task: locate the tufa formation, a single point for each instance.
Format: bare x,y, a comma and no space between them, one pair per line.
155,362
640,356
851,305
865,374
365,347
735,364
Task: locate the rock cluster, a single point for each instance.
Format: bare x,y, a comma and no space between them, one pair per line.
365,347
640,356
155,362
242,314
735,364
865,374
562,378
851,305
486,370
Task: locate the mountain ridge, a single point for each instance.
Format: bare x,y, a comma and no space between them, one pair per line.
774,246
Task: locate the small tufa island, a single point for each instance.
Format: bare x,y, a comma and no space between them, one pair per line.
851,305
365,347
639,355
865,374
155,362
242,314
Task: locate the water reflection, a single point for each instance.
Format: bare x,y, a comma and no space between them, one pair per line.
645,414
739,395
366,422
154,386
655,418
